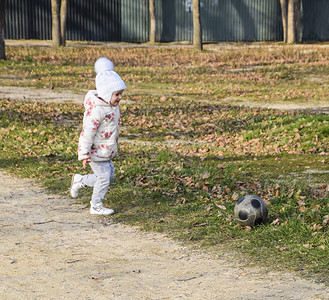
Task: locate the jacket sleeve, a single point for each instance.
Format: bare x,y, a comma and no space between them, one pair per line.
91,122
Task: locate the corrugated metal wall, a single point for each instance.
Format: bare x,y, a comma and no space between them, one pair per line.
222,20
175,22
96,20
315,20
27,21
241,20
128,20
135,20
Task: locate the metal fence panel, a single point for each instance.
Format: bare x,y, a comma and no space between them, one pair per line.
175,22
97,20
135,20
27,21
221,20
128,20
315,20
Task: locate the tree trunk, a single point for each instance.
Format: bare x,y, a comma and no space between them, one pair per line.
197,30
291,20
56,25
59,14
298,24
63,21
291,39
294,24
284,13
2,29
153,24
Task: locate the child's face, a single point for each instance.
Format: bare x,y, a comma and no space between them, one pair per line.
116,98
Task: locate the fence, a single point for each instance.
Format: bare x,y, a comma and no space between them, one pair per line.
128,20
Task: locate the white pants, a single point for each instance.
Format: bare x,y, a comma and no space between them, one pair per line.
100,180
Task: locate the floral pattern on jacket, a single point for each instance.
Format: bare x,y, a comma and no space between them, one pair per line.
100,132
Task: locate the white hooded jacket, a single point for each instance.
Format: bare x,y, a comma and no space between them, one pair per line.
99,136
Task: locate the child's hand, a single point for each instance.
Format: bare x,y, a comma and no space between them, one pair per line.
85,161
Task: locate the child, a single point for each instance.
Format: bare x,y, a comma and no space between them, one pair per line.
99,137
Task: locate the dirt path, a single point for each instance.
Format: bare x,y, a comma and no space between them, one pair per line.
53,249
26,93
13,92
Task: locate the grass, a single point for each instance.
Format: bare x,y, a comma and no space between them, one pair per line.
278,73
183,162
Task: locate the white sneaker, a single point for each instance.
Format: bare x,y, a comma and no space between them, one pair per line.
76,185
100,210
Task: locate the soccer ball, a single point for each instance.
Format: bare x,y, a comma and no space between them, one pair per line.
250,210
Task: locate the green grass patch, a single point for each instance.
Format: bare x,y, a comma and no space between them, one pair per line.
185,158
189,196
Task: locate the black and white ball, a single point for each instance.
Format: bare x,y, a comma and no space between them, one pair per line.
250,210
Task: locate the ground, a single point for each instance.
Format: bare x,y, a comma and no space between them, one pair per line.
53,249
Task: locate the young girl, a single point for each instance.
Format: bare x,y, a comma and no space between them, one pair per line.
98,139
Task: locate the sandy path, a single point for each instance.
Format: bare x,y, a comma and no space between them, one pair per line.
27,93
51,248
14,92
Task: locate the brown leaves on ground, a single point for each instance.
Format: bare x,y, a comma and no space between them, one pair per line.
202,129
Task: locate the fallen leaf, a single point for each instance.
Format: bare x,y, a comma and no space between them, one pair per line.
205,175
205,188
235,197
275,222
5,130
223,207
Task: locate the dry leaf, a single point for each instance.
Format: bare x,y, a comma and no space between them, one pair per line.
205,175
223,207
205,188
275,222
